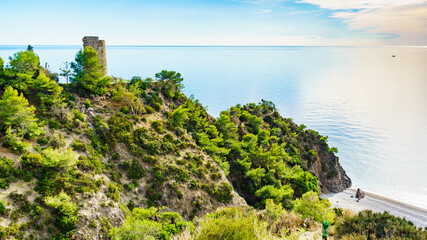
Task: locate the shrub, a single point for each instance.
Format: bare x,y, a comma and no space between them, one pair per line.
157,106
254,124
124,110
78,115
78,145
88,104
43,140
380,226
149,109
113,191
158,126
53,124
150,224
54,158
333,150
66,209
222,193
3,209
6,171
136,171
13,141
57,140
6,167
311,205
228,224
193,184
271,192
116,156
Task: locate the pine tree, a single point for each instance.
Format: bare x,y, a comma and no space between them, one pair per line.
89,74
15,113
26,62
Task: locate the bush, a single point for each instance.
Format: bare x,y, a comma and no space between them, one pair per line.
54,158
13,141
150,223
124,110
3,209
53,124
136,171
157,106
228,224
222,193
149,109
78,115
67,211
88,104
311,205
43,140
158,126
6,167
113,191
271,192
78,145
380,226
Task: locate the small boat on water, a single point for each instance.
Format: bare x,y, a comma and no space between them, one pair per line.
393,55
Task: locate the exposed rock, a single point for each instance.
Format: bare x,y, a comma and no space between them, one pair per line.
360,194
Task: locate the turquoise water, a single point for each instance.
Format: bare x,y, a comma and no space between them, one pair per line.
372,106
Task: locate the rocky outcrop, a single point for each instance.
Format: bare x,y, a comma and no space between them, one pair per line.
359,194
326,167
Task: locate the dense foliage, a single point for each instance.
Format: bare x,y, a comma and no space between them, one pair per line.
89,76
259,150
310,205
379,226
150,223
82,156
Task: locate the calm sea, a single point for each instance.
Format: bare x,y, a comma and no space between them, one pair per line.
372,106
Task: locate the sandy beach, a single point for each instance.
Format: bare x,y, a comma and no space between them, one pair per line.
378,203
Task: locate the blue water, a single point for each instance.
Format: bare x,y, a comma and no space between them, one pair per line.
373,107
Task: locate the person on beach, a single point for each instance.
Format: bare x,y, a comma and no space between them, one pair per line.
325,230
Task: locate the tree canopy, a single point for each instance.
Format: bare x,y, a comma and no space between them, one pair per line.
89,76
26,62
15,112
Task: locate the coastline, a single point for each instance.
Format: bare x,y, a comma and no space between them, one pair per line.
378,203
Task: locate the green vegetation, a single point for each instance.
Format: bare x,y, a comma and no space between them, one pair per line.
16,113
369,225
65,209
263,158
151,223
79,157
246,223
29,78
310,205
89,75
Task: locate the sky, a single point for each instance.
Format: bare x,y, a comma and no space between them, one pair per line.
215,22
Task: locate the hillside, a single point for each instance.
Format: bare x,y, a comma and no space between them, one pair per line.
86,160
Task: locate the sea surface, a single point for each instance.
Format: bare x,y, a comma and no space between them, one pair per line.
372,106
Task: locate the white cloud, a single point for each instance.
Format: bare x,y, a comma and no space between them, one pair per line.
265,11
405,18
358,4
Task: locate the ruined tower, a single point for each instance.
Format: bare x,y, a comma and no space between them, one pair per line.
99,47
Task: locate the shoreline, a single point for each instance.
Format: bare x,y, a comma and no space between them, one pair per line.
377,203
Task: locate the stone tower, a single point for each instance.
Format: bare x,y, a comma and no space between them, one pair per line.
99,47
